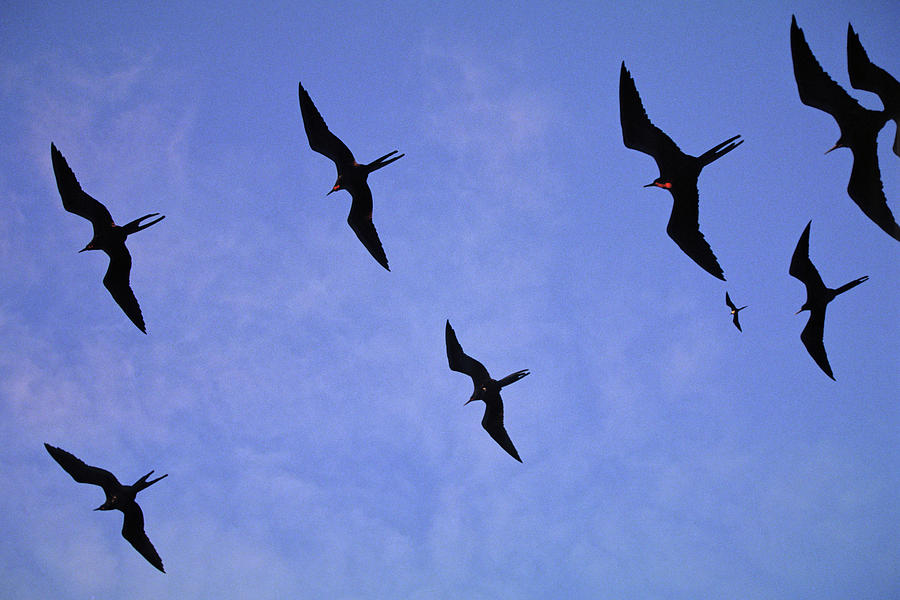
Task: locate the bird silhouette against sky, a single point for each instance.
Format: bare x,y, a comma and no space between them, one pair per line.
817,298
859,126
486,389
108,236
351,175
734,311
118,497
678,173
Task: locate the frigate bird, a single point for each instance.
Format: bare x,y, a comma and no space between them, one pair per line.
486,390
859,126
351,175
817,298
118,496
734,311
108,236
678,173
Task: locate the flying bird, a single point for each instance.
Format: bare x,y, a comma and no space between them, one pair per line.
118,496
734,311
486,389
678,173
859,126
108,236
817,298
351,175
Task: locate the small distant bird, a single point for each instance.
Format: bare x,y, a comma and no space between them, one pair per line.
678,173
118,496
817,298
351,175
108,236
859,126
734,311
486,389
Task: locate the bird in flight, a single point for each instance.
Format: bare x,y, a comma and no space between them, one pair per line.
734,311
817,298
108,236
118,496
486,390
678,173
859,126
351,175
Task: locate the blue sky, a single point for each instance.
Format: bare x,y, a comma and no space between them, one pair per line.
298,395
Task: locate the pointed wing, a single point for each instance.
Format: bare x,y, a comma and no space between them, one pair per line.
737,324
133,531
116,281
493,424
865,75
813,338
638,132
461,362
816,88
360,220
866,189
684,229
320,138
74,199
729,302
803,269
81,472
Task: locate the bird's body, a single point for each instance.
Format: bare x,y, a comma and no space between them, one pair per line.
817,298
486,389
678,173
108,236
118,497
859,126
351,175
734,311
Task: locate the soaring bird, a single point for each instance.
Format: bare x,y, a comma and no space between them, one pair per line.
865,75
351,175
859,126
817,298
734,311
108,236
486,389
118,496
678,173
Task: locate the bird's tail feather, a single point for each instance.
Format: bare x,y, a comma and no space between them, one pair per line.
852,284
136,226
142,483
719,150
381,162
513,377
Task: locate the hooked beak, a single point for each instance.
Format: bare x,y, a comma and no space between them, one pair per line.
835,147
469,400
100,507
332,190
798,312
88,247
651,184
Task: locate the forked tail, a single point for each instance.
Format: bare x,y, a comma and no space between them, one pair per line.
135,225
850,285
513,377
142,483
381,162
719,151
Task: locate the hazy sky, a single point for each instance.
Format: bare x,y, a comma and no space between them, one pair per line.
298,395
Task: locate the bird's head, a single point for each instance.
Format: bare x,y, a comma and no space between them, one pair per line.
838,144
660,183
111,503
478,394
90,246
337,185
802,308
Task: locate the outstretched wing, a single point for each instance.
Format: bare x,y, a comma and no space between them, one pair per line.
684,229
116,281
81,472
802,268
493,424
813,336
320,138
729,302
133,531
463,363
638,132
865,75
74,199
360,220
866,189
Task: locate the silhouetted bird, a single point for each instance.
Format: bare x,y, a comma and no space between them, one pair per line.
486,389
351,175
678,173
118,496
734,311
108,236
859,126
817,298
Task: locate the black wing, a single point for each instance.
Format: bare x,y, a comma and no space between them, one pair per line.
734,319
116,281
133,531
729,302
812,337
638,132
81,472
865,75
74,199
803,269
684,229
866,189
493,424
320,138
461,362
360,220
